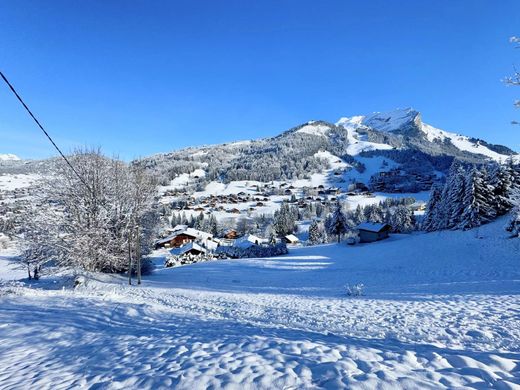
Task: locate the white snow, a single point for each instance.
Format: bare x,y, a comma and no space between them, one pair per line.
440,311
9,157
461,142
390,121
10,182
357,142
334,161
314,129
394,120
182,180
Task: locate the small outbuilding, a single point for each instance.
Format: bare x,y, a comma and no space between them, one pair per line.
291,239
370,232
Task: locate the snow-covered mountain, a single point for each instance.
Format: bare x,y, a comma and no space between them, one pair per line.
9,157
399,139
408,130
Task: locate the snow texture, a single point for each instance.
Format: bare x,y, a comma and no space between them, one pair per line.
440,310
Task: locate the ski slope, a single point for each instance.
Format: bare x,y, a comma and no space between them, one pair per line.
440,310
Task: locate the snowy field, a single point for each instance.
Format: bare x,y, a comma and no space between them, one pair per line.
440,310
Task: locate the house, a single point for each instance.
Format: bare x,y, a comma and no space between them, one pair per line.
249,240
370,232
181,236
231,234
191,248
291,239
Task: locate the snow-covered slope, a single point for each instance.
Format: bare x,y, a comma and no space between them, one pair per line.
314,129
358,142
440,311
408,119
9,157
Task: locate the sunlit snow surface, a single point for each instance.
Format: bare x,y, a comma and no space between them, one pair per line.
441,310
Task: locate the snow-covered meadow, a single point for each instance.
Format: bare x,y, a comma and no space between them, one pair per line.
440,310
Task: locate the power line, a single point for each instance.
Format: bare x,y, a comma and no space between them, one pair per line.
45,132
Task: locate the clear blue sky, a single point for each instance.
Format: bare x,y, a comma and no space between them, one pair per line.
140,77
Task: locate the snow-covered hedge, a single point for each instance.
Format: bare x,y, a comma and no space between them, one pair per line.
252,251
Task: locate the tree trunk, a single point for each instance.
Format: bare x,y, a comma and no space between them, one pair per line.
138,253
339,235
130,262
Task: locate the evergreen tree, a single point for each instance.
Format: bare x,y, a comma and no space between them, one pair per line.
373,213
317,233
402,219
477,200
501,180
336,224
358,216
284,220
513,225
431,216
455,192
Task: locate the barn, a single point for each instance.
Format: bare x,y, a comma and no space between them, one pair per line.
370,232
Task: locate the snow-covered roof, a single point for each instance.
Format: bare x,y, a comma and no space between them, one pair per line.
372,227
292,238
247,241
188,247
187,231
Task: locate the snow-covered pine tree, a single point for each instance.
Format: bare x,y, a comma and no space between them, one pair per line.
317,234
513,225
373,213
336,224
431,216
477,200
284,220
454,202
402,219
501,180
358,216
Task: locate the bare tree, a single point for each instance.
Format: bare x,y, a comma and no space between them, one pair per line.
514,79
99,226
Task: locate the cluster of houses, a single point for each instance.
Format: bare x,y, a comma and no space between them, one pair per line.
234,203
398,180
188,244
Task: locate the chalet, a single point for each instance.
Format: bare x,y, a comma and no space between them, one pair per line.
290,239
234,211
370,232
182,235
231,234
191,248
249,240
259,204
288,192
